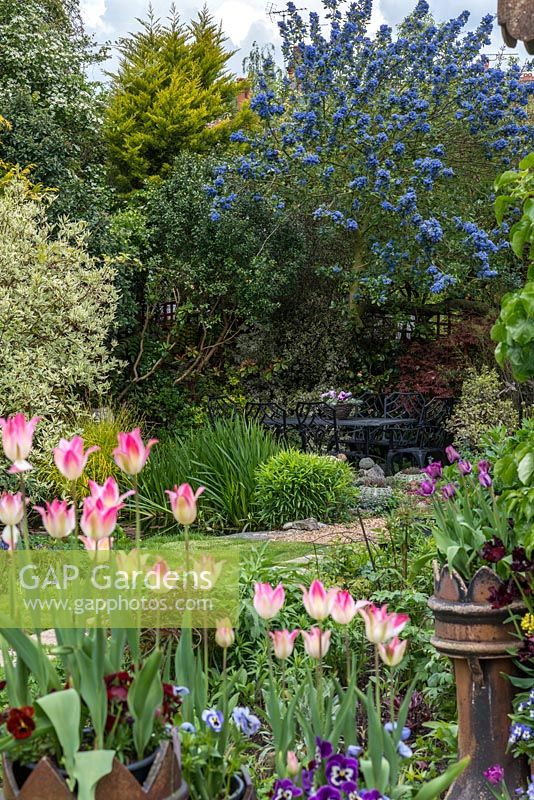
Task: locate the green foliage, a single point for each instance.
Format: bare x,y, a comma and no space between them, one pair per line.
56,311
224,458
54,110
514,475
480,408
514,329
171,93
294,485
145,696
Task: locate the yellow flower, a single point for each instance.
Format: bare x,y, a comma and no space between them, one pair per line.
527,624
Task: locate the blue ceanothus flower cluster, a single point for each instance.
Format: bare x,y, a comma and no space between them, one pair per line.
371,134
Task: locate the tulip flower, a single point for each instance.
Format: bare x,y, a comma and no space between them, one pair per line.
448,491
108,493
98,522
11,536
292,764
452,454
427,488
316,642
17,440
96,544
11,508
484,478
268,601
58,519
344,608
131,455
465,467
70,457
317,601
184,503
381,626
224,634
157,573
283,642
392,652
434,470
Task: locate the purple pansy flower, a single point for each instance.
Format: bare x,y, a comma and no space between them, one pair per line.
323,749
448,491
370,794
285,790
327,793
245,720
403,750
213,718
306,778
354,750
340,769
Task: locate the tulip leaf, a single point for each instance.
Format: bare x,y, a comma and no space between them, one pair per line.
145,696
435,788
89,767
63,709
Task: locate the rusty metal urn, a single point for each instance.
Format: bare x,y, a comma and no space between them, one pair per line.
478,639
164,781
516,18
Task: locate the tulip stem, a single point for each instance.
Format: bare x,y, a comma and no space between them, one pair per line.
135,482
74,494
377,680
392,698
25,529
347,654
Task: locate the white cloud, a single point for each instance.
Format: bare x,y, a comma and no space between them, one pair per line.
93,13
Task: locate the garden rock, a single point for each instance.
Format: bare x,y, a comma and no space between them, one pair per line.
374,498
366,463
310,524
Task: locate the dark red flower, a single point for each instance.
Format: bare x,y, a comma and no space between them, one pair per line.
520,562
171,701
526,651
503,595
493,551
117,685
20,722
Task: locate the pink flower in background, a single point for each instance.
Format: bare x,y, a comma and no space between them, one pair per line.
17,440
98,522
317,601
184,503
11,508
70,457
108,493
484,478
452,454
316,642
344,608
392,652
95,544
494,774
131,455
58,519
224,634
292,763
465,467
283,642
268,601
448,491
381,626
434,470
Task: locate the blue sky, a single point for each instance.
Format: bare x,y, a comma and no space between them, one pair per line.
246,21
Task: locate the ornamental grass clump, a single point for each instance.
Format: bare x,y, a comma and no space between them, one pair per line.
294,485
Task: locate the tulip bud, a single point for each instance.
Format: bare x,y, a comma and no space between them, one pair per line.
381,626
184,503
344,608
58,519
316,642
11,508
131,455
392,652
283,642
224,635
268,601
17,440
317,601
292,763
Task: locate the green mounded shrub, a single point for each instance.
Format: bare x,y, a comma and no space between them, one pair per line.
223,458
481,407
294,485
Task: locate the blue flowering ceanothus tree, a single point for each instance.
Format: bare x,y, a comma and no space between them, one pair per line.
394,138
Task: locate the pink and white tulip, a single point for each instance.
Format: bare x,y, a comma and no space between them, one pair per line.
96,544
108,493
11,508
292,764
17,440
268,601
316,642
224,634
283,642
58,519
11,536
98,522
317,601
184,503
380,626
345,608
392,652
131,455
70,457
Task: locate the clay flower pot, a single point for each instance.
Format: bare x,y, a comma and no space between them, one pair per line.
45,781
480,642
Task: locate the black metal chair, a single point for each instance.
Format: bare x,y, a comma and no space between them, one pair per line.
416,444
437,410
403,405
318,427
221,408
369,404
271,415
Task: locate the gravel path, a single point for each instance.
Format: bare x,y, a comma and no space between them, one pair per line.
329,534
